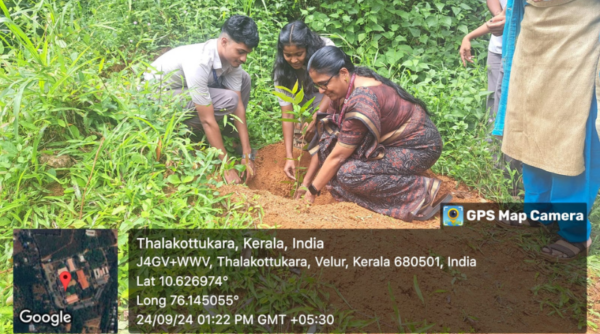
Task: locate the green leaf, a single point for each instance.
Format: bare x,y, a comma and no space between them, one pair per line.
376,27
299,97
174,179
295,89
284,88
284,97
101,65
417,290
118,210
307,104
432,21
446,21
415,32
439,6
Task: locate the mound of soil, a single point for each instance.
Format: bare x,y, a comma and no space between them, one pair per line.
504,276
271,190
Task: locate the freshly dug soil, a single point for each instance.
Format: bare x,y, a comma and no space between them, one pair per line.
274,188
504,276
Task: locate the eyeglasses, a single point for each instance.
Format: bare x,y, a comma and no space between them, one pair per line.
324,85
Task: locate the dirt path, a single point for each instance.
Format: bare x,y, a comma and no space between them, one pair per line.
271,190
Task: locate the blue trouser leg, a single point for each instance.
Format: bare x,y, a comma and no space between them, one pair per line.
542,186
538,187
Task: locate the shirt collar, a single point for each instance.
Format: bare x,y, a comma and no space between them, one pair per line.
217,64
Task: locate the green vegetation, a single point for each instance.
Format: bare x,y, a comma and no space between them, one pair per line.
300,115
70,87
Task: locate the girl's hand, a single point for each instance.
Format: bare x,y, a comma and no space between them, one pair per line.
310,128
465,51
289,169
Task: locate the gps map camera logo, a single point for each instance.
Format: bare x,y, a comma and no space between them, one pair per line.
453,215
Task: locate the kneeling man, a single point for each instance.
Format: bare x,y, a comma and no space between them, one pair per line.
211,74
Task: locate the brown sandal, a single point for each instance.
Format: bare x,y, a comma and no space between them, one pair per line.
430,211
572,250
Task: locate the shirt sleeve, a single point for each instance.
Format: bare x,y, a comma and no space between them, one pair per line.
282,103
196,78
328,42
353,133
233,79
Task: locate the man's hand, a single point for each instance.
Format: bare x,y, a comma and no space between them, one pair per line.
232,177
465,51
496,24
289,169
250,171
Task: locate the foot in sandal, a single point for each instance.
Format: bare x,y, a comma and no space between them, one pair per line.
430,211
564,251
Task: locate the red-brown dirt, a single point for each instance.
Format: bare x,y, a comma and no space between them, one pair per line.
498,253
271,190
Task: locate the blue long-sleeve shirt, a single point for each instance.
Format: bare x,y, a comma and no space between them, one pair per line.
512,27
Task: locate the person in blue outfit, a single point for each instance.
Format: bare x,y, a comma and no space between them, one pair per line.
548,111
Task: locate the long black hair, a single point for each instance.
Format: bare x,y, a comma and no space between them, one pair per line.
299,34
330,60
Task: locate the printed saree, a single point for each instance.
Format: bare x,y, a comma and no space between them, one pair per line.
395,142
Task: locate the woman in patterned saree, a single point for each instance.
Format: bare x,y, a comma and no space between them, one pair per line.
374,142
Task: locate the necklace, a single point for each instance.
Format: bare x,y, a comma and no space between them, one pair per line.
344,103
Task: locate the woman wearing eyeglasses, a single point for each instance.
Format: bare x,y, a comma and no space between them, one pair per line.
373,144
296,44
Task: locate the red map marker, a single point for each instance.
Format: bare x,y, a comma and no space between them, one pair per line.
65,278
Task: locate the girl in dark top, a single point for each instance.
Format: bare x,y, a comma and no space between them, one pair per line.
374,143
296,44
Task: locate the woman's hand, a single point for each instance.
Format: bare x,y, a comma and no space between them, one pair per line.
309,198
301,191
289,169
465,51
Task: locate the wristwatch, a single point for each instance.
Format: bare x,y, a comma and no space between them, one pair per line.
314,190
251,156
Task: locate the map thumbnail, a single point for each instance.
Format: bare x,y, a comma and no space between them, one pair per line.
65,281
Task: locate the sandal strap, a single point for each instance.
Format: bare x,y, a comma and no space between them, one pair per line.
567,248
